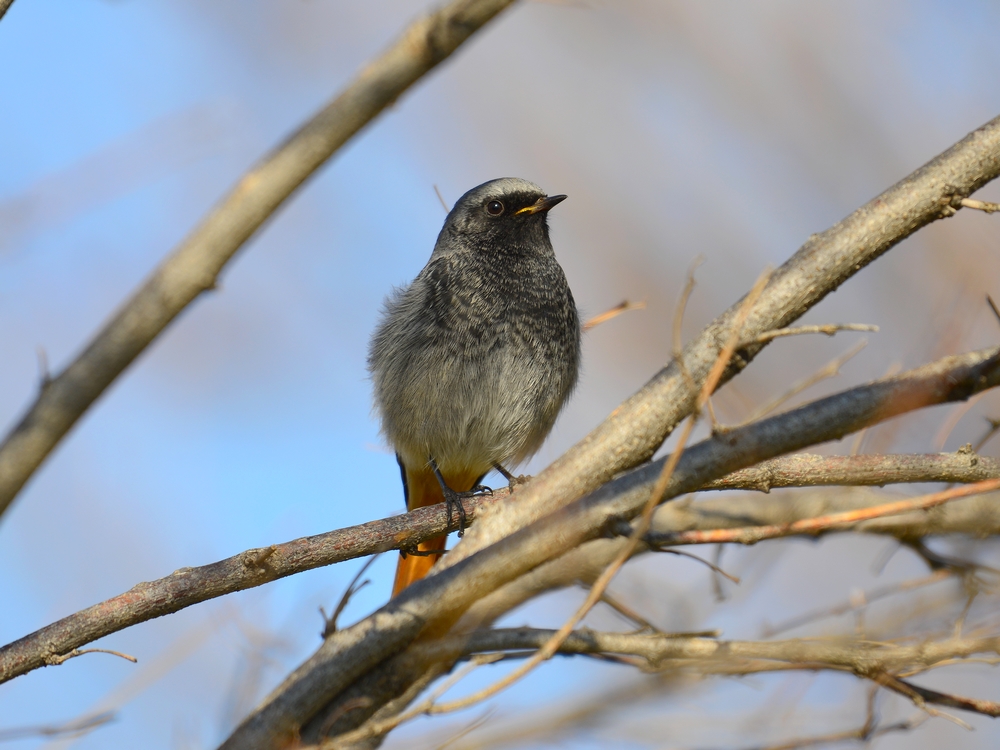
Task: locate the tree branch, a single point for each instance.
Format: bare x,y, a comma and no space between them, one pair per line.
433,605
249,569
194,266
808,470
256,567
5,6
820,524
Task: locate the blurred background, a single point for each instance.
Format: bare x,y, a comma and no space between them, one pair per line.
725,131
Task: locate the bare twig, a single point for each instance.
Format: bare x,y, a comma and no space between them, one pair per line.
993,307
193,267
330,623
444,204
5,6
829,370
829,329
613,312
59,659
869,596
815,526
980,205
809,470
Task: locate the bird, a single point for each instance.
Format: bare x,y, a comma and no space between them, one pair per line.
472,361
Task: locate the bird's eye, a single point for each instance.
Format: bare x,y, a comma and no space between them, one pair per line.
494,208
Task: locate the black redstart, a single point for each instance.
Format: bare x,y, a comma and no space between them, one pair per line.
472,361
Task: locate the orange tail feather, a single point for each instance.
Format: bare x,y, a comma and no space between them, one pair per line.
422,488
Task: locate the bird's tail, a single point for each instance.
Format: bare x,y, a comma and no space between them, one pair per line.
422,488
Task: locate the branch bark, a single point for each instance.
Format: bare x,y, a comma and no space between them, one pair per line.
5,6
194,266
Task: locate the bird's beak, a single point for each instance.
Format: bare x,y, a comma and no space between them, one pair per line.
542,204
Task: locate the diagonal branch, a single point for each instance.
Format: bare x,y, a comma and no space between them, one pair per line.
193,267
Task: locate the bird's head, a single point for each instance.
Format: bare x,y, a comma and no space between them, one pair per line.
504,216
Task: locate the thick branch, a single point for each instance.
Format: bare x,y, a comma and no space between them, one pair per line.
431,606
808,470
194,266
5,6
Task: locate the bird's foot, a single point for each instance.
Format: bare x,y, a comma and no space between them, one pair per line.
512,481
453,501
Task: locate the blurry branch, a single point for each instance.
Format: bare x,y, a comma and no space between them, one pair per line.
855,602
5,6
808,470
432,606
882,663
193,267
69,729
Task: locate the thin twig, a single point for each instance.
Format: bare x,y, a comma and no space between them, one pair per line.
829,329
444,203
769,631
72,728
980,205
330,623
827,371
614,312
993,307
815,526
60,658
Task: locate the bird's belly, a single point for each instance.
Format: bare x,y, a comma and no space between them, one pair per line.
469,412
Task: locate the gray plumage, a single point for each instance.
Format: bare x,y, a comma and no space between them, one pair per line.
473,360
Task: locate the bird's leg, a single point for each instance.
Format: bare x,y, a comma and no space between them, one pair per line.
454,499
512,481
